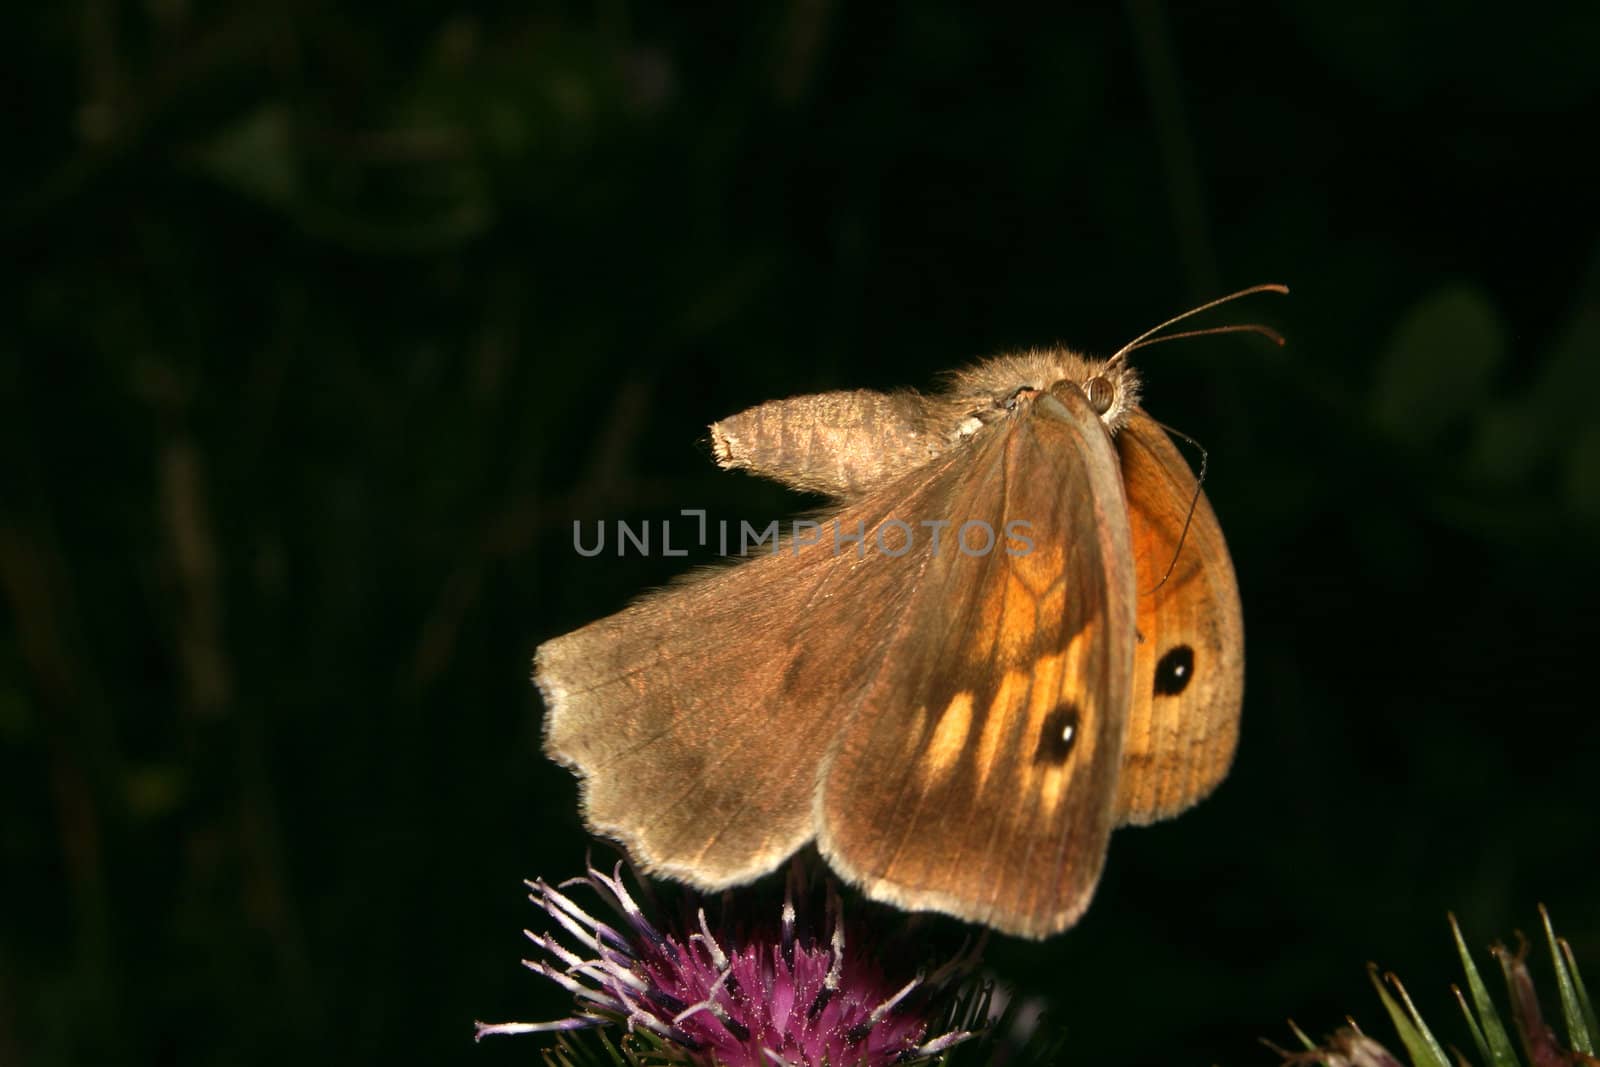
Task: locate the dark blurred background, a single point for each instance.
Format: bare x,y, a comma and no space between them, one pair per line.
324,325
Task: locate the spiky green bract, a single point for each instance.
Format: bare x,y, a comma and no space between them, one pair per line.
1541,1047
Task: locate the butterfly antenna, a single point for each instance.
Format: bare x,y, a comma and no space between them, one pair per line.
1194,502
1144,339
1244,327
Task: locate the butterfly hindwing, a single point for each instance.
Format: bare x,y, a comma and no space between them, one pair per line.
1189,662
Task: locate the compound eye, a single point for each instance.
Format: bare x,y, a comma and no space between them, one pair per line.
1100,394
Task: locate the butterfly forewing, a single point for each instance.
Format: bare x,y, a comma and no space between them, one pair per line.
977,773
698,717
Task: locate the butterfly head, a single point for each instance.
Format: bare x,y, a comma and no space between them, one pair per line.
997,388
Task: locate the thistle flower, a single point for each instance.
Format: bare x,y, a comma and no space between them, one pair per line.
779,994
1540,1045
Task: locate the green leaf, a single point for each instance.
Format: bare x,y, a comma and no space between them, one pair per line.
1540,420
1583,474
256,157
1438,366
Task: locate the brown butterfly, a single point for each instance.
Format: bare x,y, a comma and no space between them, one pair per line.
959,721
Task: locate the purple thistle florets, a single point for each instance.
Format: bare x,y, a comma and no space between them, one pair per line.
778,995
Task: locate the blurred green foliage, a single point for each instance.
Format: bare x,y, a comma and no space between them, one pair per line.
327,321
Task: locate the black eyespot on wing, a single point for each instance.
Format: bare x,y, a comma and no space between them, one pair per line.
1058,736
1175,671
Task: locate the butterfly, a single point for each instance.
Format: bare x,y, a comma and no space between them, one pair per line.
1017,629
